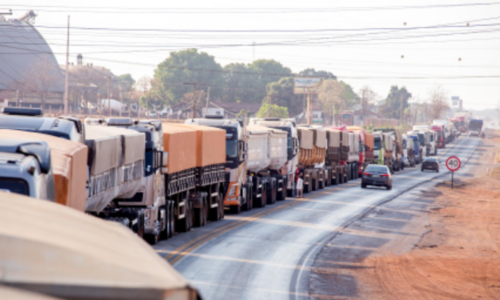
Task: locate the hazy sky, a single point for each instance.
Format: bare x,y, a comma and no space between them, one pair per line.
362,42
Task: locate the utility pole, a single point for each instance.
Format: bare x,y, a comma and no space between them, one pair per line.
208,97
400,110
66,91
194,96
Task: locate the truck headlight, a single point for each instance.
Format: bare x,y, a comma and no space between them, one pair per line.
232,190
147,216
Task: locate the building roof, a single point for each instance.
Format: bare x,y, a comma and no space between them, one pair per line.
22,49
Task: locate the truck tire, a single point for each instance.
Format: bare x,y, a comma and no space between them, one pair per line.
271,192
151,238
198,214
336,180
171,219
281,195
183,225
235,209
217,213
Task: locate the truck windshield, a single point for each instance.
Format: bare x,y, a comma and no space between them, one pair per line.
17,186
232,148
421,139
377,144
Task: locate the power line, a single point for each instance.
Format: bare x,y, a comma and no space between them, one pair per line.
248,10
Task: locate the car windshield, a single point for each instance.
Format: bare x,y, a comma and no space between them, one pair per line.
377,169
430,159
17,186
232,148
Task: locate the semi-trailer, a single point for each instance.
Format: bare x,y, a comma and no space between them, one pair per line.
441,138
238,186
476,127
60,252
417,148
337,155
397,151
446,130
378,148
267,157
408,151
366,155
290,126
196,174
312,153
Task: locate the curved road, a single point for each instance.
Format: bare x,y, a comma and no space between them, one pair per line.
268,253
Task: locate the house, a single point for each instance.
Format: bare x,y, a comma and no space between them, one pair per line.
29,73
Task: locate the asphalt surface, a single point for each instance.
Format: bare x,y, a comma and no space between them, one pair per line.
274,252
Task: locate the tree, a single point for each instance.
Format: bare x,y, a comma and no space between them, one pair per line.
368,96
438,101
349,96
237,83
153,95
188,66
395,103
331,96
272,110
313,73
265,71
281,93
126,82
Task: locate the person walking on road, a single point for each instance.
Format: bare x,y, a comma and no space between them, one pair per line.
299,180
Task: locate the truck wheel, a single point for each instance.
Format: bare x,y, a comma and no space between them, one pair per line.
151,239
235,209
198,215
217,213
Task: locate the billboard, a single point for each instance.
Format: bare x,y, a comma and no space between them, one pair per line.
455,101
307,85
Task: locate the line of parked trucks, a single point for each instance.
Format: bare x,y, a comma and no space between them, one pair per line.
158,178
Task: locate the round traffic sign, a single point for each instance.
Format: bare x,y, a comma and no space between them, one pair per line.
453,163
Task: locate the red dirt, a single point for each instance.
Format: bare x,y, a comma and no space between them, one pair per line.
459,258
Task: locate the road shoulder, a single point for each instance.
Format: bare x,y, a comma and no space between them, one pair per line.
430,243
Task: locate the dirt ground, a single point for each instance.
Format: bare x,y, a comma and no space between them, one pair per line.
457,258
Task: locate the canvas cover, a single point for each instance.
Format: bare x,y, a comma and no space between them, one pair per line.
9,293
104,148
210,144
278,147
69,161
180,143
258,147
67,254
305,138
333,137
319,137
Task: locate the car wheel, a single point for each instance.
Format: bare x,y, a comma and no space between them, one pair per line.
422,169
363,186
389,187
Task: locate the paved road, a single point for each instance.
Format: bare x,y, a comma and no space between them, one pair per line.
269,253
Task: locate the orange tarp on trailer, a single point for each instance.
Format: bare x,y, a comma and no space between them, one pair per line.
210,144
69,166
180,143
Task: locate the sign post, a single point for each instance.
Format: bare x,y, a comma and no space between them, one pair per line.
453,163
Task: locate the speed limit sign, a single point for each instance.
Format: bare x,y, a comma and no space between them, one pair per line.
453,163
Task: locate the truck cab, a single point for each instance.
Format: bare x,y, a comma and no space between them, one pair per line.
31,119
378,155
290,126
237,185
25,168
151,195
